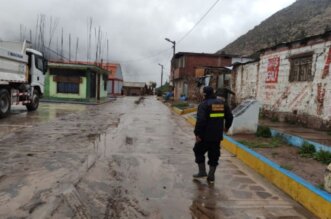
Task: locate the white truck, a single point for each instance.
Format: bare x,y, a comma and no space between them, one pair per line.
22,73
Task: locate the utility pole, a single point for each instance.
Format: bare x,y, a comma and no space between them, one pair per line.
69,47
173,57
77,41
161,74
173,45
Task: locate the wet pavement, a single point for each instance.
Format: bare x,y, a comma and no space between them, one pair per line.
321,137
122,160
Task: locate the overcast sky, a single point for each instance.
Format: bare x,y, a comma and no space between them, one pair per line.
136,29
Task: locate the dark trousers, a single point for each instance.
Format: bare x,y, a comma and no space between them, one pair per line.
213,149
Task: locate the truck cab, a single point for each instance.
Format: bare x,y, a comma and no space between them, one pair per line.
22,76
38,68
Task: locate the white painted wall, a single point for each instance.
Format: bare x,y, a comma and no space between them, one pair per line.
285,96
246,81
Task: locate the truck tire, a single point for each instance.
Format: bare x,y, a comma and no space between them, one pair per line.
34,102
4,103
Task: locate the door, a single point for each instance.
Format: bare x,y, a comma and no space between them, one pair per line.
93,85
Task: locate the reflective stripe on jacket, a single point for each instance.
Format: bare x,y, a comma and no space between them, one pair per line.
210,119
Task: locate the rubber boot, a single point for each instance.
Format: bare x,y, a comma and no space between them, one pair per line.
202,171
211,174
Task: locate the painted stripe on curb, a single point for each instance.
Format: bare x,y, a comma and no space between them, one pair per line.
314,199
298,141
183,111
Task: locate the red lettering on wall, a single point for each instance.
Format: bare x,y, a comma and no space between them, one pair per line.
327,65
320,98
272,70
270,87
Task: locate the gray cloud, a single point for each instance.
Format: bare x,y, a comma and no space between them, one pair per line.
136,28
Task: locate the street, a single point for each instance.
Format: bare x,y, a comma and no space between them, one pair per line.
121,159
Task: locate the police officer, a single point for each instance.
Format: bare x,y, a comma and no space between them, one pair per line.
209,132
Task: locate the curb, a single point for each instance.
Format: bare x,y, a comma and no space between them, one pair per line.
315,200
183,111
298,141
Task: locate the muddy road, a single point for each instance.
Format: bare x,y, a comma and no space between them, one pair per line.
121,160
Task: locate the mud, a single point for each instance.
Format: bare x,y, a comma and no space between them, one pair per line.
123,160
288,157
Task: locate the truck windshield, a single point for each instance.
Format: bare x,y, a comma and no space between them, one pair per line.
39,63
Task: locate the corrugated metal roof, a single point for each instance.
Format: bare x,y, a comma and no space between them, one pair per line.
134,84
97,69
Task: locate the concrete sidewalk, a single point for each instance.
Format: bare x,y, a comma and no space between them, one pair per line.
239,192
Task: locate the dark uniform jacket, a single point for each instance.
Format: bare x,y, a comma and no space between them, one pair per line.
210,119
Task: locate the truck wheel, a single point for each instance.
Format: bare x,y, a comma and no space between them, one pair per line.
4,103
34,102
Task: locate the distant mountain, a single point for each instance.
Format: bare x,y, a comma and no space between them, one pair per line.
301,19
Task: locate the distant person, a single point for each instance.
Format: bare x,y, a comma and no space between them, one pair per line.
209,132
168,95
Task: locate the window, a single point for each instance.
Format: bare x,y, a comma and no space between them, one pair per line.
181,63
39,63
301,68
105,79
67,88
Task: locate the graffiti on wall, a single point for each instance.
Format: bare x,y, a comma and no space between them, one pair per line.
298,99
284,95
326,68
272,70
320,98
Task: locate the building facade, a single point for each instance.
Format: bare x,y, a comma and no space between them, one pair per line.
184,67
291,81
115,78
76,82
134,88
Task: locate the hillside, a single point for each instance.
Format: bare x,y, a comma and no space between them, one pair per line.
301,19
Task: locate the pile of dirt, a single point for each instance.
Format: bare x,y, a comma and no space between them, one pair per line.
139,100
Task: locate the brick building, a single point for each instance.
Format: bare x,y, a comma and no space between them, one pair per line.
184,65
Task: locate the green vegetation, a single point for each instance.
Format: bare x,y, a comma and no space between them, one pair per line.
320,186
262,143
263,131
307,150
274,119
161,90
180,104
323,156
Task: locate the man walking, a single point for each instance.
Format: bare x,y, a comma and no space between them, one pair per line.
209,132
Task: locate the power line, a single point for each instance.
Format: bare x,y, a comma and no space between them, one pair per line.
147,57
197,23
181,39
